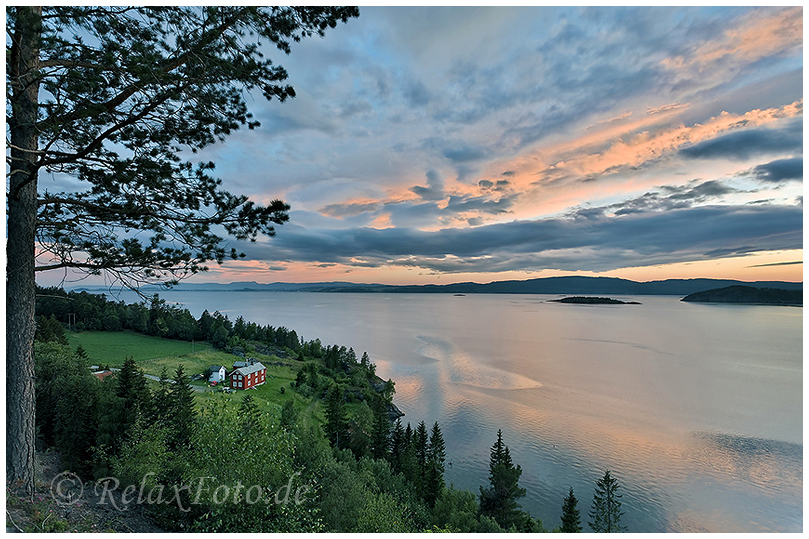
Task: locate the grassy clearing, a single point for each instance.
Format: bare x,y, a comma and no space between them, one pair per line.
192,363
113,347
153,354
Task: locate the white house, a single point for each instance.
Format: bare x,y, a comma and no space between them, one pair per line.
217,373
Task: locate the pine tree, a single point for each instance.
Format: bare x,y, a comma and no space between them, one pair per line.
112,97
136,398
289,416
499,500
380,435
571,520
162,396
606,510
336,418
182,414
397,446
436,455
421,440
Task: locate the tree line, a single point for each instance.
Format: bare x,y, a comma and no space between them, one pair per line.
83,311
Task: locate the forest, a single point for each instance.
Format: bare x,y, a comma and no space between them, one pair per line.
341,452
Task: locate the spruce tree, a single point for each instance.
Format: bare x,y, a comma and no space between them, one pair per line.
136,399
336,418
182,414
606,510
380,435
499,500
397,446
571,519
162,397
421,441
289,416
436,455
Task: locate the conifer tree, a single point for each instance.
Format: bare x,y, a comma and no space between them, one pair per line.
397,446
136,399
421,440
182,414
436,455
162,396
606,509
289,416
571,519
499,500
380,436
336,418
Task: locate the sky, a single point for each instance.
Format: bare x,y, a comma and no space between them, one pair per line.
439,145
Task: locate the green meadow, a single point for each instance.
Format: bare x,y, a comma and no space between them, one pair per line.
153,354
113,347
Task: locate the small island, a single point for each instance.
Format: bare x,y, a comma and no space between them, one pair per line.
748,295
594,301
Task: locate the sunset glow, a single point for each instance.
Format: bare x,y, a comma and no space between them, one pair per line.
432,145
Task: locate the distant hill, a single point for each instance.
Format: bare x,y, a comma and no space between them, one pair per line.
569,285
748,294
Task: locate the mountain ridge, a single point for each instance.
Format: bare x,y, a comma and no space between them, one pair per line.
570,284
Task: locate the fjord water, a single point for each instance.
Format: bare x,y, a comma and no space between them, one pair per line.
695,408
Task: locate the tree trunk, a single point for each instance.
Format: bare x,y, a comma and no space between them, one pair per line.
22,66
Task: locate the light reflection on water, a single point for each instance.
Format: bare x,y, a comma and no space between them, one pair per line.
696,409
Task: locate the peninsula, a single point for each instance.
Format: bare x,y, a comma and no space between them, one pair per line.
748,295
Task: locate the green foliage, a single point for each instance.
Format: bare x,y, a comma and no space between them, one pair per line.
181,413
336,418
499,500
145,458
457,510
606,509
67,397
50,330
434,475
250,468
571,519
289,416
380,434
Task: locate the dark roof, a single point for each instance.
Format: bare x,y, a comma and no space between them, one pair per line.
216,367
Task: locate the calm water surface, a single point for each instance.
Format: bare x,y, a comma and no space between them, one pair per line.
696,409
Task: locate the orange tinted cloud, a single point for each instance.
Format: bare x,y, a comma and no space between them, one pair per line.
634,149
759,35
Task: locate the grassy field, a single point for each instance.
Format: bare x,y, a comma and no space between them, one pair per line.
113,347
153,354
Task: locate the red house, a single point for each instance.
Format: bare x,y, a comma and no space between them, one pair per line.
247,377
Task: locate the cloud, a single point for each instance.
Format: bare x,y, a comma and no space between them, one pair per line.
435,189
792,263
668,198
349,209
743,144
599,244
782,170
